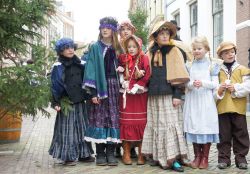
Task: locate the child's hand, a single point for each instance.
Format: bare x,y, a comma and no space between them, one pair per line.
231,88
222,88
197,83
142,72
96,100
134,90
57,108
125,84
176,102
120,69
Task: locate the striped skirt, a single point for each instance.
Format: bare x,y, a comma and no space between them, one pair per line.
104,117
68,140
133,118
163,138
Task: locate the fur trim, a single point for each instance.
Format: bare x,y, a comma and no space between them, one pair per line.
176,70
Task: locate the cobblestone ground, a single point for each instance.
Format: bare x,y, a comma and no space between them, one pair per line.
30,156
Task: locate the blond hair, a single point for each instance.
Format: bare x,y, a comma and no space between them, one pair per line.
203,40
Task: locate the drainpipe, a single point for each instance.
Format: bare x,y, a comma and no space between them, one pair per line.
248,103
249,58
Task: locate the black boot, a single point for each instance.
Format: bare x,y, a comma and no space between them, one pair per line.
133,153
112,161
101,155
118,151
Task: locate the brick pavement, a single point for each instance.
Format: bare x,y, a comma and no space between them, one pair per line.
30,156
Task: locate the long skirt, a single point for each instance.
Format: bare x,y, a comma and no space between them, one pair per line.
133,117
104,117
68,140
163,138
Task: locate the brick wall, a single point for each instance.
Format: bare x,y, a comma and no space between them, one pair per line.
243,10
243,35
243,44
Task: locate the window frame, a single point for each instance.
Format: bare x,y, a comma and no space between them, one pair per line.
193,23
217,13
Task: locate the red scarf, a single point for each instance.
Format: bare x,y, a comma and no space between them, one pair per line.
130,60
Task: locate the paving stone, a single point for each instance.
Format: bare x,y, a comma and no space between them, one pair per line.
30,156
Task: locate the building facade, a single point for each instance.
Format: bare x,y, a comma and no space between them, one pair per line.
60,25
154,8
218,20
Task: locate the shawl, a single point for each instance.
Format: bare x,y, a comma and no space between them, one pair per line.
176,71
94,75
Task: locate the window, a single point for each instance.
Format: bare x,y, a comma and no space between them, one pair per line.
217,23
193,19
177,19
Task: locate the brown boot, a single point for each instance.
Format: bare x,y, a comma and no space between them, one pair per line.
126,153
141,160
204,159
197,156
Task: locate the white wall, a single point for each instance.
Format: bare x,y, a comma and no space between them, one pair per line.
205,18
229,20
205,21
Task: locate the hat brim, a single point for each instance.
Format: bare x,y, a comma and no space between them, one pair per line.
137,40
162,24
228,47
127,23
